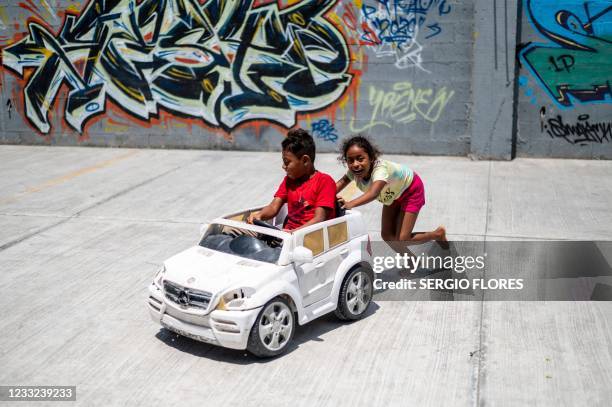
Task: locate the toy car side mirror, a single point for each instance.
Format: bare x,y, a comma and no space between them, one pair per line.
302,255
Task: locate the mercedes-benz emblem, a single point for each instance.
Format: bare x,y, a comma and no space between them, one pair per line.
183,298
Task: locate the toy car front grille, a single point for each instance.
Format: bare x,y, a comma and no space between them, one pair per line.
186,297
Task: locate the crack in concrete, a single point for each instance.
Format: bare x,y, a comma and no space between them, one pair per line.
479,367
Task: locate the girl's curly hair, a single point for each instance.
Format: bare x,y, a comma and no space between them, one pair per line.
361,141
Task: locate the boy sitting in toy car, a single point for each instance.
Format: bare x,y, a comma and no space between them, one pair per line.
310,194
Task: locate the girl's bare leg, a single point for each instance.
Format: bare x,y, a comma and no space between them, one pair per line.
389,229
405,224
388,226
396,229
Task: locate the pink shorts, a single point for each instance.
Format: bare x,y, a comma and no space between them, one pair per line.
413,199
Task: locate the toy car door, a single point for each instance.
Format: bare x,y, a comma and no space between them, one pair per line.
337,246
314,278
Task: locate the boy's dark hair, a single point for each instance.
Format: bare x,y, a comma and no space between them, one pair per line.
300,143
360,141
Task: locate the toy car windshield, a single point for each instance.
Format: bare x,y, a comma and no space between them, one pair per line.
243,243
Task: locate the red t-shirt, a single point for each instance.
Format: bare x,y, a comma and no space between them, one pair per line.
302,198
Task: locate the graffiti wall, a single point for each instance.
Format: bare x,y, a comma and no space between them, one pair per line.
565,91
236,73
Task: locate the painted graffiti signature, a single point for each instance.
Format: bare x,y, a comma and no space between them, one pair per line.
404,104
225,62
398,21
325,130
582,132
393,28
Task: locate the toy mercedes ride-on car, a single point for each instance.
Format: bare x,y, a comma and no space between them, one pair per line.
245,286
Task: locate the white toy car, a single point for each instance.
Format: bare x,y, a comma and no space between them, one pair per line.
245,286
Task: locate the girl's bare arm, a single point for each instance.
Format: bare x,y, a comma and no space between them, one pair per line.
342,183
367,196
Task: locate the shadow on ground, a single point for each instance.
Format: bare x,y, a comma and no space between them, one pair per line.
305,333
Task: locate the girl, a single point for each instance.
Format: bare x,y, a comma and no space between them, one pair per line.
396,186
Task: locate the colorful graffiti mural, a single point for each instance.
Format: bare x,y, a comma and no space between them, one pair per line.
226,62
576,66
230,73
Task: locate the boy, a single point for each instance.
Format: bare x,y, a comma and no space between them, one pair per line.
310,195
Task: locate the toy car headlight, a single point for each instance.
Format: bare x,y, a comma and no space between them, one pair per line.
158,277
235,299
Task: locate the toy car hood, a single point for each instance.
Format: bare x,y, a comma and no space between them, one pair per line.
213,271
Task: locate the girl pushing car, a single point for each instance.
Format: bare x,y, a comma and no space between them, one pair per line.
395,185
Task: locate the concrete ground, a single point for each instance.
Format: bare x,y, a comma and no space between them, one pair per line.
84,230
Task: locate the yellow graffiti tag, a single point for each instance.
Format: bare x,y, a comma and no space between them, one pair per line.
275,96
74,8
130,91
177,73
404,104
297,18
207,86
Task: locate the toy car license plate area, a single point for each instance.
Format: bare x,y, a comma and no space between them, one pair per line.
204,334
199,320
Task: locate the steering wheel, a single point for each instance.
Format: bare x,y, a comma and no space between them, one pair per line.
270,240
264,224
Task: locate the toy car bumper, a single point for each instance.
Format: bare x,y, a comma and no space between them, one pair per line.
229,329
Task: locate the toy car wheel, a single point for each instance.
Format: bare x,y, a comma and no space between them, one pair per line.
355,294
273,329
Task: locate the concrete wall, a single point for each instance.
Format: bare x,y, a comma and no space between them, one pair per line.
418,76
493,79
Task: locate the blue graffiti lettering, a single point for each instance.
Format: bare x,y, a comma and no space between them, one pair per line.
392,27
92,107
398,21
435,28
573,66
324,129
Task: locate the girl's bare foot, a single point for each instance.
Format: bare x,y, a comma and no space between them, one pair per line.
441,237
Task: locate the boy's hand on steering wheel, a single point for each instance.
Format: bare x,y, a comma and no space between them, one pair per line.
253,216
